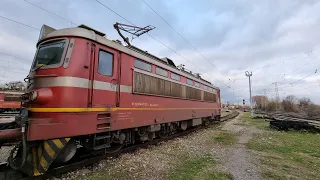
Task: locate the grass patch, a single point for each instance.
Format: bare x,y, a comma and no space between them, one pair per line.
226,138
197,168
258,123
297,154
191,167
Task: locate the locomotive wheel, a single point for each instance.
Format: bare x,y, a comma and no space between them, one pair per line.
164,132
67,152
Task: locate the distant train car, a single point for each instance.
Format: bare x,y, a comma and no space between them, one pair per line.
10,100
87,91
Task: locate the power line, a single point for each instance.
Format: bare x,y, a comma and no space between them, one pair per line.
50,12
127,21
15,68
113,12
158,41
19,23
180,35
266,66
307,53
301,65
305,77
13,56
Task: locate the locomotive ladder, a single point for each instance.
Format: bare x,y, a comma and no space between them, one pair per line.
103,121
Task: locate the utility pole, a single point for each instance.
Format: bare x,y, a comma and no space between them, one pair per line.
249,75
234,99
277,93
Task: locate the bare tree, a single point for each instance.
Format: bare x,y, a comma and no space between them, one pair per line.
14,85
271,106
260,101
304,103
289,104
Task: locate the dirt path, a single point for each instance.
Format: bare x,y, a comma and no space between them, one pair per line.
237,159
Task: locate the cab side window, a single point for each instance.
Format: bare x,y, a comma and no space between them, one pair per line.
105,66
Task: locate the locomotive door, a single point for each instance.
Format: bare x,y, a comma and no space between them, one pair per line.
105,77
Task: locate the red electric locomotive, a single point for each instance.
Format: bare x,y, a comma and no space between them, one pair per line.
86,91
10,100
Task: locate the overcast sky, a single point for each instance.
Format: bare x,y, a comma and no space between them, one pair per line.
277,40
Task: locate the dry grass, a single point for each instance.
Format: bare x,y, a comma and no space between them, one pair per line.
200,167
225,138
261,124
286,155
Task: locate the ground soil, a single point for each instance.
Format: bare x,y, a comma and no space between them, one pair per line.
160,161
237,160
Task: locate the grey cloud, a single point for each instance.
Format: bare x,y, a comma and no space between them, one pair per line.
234,35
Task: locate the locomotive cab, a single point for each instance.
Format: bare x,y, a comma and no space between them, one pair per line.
79,74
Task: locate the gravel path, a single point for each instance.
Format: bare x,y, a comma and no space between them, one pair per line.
237,159
152,163
157,161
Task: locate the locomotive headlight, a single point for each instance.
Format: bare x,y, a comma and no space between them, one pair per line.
33,96
41,96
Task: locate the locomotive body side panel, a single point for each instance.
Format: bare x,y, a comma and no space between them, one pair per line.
96,93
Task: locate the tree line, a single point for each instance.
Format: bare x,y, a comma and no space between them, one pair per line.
290,104
13,86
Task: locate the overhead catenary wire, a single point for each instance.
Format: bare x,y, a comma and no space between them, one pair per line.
305,77
50,12
295,70
125,20
67,20
6,54
158,41
180,35
19,23
292,85
288,60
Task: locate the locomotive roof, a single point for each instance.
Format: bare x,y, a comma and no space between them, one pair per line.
92,34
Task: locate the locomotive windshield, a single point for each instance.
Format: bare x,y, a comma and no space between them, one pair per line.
49,54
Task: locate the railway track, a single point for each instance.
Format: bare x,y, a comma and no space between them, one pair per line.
87,160
282,122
